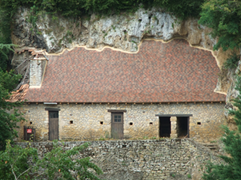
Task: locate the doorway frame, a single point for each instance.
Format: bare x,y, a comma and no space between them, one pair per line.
188,121
159,127
178,115
52,110
115,111
121,124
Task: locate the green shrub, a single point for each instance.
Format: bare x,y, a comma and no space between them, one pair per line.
23,163
76,8
223,16
231,62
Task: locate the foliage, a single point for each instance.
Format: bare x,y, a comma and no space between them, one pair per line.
232,140
24,163
181,8
5,48
5,41
61,163
224,17
14,162
77,8
8,115
231,62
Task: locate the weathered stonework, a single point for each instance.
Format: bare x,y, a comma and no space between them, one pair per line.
37,68
164,159
93,121
173,127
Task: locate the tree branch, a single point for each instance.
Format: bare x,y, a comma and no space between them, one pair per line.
24,172
21,64
22,81
14,172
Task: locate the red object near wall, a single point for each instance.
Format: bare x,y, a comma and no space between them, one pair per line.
29,133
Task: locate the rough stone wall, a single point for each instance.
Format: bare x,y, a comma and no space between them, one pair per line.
163,159
87,120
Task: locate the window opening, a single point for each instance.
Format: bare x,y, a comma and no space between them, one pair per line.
53,114
117,118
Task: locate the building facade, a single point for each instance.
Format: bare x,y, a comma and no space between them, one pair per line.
163,90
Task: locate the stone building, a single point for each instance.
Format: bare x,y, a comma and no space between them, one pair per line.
163,90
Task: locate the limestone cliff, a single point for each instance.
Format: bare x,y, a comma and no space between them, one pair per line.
124,32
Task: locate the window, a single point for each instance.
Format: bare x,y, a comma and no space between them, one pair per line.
117,118
53,114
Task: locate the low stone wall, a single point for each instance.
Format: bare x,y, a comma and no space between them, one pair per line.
180,159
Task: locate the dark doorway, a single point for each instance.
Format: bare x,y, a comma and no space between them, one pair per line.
164,126
117,125
182,127
53,125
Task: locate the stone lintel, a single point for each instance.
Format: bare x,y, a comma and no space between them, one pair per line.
177,115
116,110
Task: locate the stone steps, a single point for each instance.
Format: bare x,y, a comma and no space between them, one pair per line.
212,146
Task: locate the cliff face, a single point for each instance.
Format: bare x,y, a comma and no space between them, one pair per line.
124,32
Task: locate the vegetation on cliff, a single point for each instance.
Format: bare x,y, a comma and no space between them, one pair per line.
77,8
232,141
224,17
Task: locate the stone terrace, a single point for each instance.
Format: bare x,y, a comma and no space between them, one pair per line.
163,159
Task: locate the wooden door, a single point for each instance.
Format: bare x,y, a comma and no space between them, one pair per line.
53,125
117,125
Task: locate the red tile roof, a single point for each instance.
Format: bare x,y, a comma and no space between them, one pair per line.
159,72
19,95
